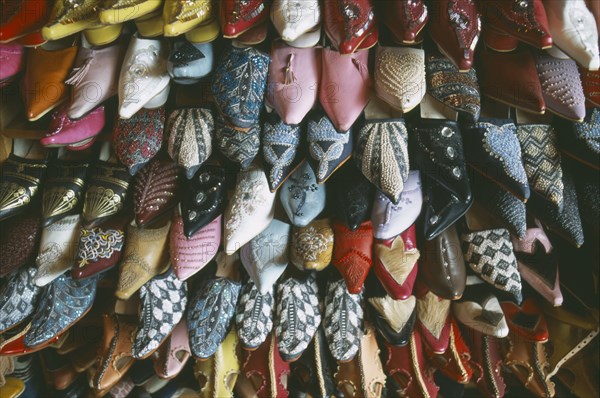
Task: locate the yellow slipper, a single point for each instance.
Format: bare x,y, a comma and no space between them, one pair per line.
119,11
150,25
204,33
12,388
182,16
218,374
68,18
101,35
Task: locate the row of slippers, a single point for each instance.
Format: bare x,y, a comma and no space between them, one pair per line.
514,157
290,80
316,373
423,335
455,26
155,192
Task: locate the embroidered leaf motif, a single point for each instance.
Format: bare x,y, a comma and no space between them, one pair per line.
154,189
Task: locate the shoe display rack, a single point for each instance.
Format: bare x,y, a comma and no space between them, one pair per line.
299,198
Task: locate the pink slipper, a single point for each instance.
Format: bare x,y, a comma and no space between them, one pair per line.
188,256
65,131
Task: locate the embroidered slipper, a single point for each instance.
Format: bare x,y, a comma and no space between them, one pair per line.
237,145
254,316
64,186
189,62
203,198
18,298
400,76
381,151
19,242
144,81
349,24
100,248
23,174
308,16
211,311
210,315
236,18
190,255
343,320
328,148
145,257
297,315
252,201
64,302
457,90
441,208
493,150
565,223
163,298
489,253
56,254
437,151
302,198
106,190
405,21
189,136
280,144
155,191
561,86
239,84
455,27
312,246
137,140
507,209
